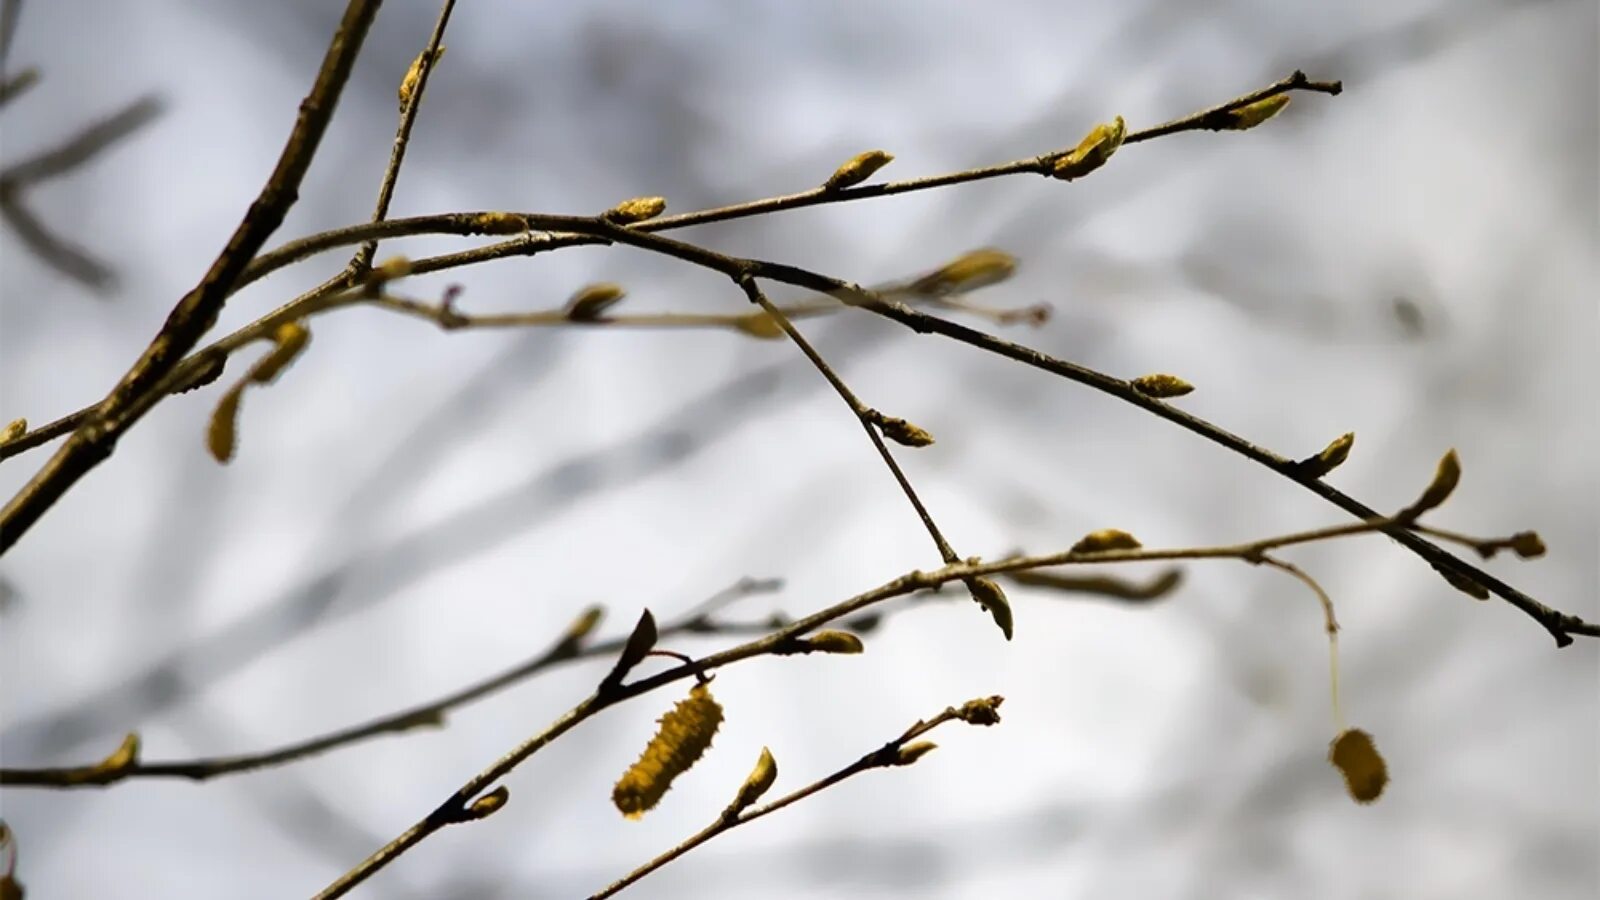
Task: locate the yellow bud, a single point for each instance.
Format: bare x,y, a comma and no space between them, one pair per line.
1445,479
488,804
126,754
1247,117
408,84
1161,386
591,302
910,753
757,783
500,223
17,428
857,169
1331,457
222,431
989,596
1104,540
902,432
1356,757
392,268
585,624
637,210
1092,152
835,642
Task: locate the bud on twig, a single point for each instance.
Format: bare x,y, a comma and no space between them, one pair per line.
637,210
1161,386
1092,152
857,169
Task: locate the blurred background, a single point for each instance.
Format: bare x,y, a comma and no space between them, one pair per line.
410,511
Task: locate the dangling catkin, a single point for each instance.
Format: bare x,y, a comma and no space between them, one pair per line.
685,733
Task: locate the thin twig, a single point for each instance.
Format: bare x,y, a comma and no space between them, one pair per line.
533,242
862,412
570,648
452,810
412,102
977,712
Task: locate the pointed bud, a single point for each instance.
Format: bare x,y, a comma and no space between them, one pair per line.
1092,152
900,431
408,84
487,805
585,624
15,429
592,301
637,210
835,642
989,596
1445,479
757,783
857,169
910,753
126,754
1247,117
1329,459
1161,386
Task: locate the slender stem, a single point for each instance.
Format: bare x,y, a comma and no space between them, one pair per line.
402,137
862,412
886,756
453,810
533,242
430,714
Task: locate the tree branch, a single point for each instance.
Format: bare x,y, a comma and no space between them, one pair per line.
194,315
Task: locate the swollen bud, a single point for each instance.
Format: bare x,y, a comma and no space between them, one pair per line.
1104,540
1247,117
1161,386
857,169
637,210
758,782
591,302
1092,152
1331,457
910,753
900,431
989,596
487,805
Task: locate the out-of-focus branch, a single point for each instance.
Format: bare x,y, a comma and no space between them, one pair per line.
17,178
571,647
